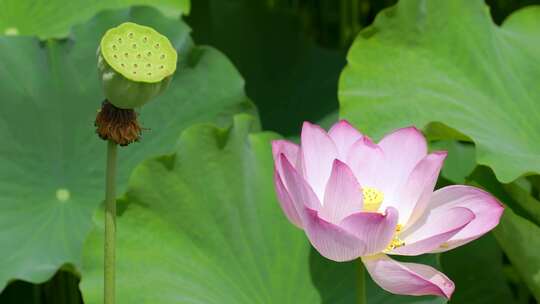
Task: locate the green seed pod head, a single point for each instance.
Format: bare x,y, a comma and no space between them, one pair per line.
135,64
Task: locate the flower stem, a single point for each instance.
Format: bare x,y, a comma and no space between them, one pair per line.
362,297
110,224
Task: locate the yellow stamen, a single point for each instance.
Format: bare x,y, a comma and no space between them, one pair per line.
373,199
396,241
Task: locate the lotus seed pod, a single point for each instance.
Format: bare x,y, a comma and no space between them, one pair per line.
135,63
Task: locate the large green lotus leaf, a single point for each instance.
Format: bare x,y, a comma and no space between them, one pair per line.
447,62
460,161
52,162
203,226
477,271
54,18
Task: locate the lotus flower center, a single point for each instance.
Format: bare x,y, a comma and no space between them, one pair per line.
373,199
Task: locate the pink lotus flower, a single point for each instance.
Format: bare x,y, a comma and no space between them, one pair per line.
354,198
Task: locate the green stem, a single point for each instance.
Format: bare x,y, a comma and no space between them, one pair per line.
37,294
110,225
343,22
355,10
362,297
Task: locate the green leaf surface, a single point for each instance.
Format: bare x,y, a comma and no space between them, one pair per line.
517,234
460,161
520,240
203,226
477,271
54,18
447,62
523,198
289,77
52,162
